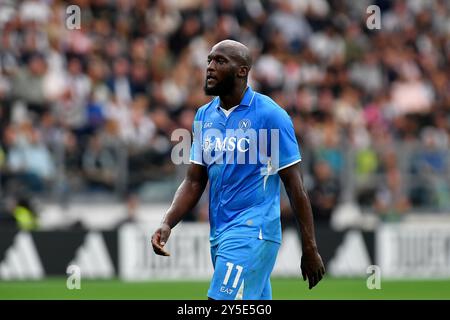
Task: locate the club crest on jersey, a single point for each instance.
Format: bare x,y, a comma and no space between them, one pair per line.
245,124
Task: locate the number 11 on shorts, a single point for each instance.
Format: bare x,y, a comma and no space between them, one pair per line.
227,275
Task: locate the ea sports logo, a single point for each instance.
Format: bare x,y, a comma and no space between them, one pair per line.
245,124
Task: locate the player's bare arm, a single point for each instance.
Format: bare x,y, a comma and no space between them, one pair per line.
186,197
311,264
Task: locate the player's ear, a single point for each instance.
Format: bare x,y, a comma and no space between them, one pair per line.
243,71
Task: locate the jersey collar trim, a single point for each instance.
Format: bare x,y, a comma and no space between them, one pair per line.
246,100
248,97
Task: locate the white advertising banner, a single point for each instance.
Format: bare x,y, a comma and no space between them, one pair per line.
413,250
190,256
188,246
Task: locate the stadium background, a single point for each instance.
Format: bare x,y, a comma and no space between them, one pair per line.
86,117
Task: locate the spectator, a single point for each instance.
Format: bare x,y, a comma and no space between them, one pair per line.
134,71
100,165
28,84
25,214
30,160
132,204
119,84
390,199
325,193
431,167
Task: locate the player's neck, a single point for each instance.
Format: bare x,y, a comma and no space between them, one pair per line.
234,98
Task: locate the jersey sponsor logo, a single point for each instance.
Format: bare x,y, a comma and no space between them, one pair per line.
227,144
234,146
251,146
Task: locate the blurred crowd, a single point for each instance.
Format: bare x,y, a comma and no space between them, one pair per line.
89,108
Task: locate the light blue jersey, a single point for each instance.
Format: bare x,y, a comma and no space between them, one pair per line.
243,153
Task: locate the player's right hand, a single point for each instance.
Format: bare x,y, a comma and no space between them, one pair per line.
159,239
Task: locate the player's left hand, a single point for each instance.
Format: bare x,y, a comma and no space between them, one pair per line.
312,267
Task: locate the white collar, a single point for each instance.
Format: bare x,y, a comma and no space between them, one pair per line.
228,112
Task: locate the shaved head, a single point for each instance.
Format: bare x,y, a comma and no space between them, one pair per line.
229,63
236,50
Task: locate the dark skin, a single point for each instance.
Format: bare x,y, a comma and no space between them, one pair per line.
228,65
311,263
228,58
